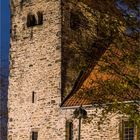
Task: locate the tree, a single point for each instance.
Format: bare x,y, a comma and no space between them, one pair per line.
116,75
113,56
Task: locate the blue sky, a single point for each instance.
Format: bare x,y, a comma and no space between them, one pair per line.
4,32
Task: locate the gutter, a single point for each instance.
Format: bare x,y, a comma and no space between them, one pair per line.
96,105
73,107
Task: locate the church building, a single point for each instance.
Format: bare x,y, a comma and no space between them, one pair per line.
46,100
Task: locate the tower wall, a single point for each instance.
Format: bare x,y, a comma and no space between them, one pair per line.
35,69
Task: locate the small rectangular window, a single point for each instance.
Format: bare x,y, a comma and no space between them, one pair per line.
34,135
128,130
69,130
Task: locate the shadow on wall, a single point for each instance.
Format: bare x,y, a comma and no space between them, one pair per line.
82,45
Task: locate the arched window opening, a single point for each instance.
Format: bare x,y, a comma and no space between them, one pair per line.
31,20
40,18
74,21
34,135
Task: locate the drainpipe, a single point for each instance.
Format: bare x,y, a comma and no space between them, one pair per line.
80,113
79,131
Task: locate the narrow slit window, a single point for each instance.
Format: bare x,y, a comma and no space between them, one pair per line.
69,130
34,135
33,97
40,18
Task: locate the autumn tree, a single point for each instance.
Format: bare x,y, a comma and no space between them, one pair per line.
117,77
102,45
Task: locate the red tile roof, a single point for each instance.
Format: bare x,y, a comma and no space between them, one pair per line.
79,95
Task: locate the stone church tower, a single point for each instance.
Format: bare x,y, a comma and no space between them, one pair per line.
42,34
35,76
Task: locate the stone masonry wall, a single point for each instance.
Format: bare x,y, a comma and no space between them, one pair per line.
36,70
90,127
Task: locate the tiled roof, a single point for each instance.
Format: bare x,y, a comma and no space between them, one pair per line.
79,95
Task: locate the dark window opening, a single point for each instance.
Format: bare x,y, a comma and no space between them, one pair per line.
33,97
34,135
40,18
69,130
31,20
77,20
74,21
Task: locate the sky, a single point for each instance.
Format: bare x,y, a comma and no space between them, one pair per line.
4,33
